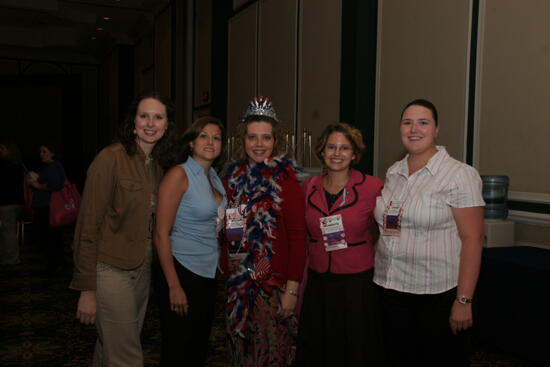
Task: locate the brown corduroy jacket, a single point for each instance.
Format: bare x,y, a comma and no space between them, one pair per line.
114,221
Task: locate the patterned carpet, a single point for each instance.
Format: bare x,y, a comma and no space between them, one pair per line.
38,327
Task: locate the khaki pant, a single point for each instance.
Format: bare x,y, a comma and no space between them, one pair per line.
122,297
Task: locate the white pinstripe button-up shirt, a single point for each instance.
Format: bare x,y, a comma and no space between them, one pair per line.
424,259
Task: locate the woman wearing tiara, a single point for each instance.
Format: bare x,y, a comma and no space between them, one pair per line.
264,237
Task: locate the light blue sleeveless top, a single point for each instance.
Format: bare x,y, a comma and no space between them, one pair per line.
194,236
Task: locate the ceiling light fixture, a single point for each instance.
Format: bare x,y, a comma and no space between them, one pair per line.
99,28
106,18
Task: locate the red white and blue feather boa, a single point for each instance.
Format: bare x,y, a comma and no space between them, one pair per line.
258,187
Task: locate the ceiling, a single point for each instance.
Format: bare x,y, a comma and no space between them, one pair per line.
86,29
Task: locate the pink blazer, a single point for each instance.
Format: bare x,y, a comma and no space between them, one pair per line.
357,209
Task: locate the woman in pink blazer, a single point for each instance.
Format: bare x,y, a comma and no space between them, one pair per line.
338,318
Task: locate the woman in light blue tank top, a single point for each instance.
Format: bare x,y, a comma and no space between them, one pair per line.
191,204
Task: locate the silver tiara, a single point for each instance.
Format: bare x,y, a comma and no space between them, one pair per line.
260,106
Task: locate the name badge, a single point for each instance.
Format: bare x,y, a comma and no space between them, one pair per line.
235,223
334,236
392,218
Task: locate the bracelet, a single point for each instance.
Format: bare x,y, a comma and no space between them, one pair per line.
291,292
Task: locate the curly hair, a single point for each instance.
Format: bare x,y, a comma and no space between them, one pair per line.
164,150
351,133
184,143
279,146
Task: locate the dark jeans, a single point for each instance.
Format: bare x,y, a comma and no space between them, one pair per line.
184,340
50,239
417,331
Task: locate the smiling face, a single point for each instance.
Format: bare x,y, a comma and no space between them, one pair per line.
207,146
338,152
150,123
46,156
259,141
418,130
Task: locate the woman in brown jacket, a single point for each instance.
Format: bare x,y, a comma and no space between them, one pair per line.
112,244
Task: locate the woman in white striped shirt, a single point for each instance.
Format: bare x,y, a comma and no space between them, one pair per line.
430,216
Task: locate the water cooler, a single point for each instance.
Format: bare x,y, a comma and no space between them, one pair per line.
499,232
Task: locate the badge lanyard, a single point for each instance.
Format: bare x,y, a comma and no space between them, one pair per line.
334,236
393,215
235,222
392,218
344,194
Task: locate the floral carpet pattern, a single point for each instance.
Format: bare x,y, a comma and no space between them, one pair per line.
38,325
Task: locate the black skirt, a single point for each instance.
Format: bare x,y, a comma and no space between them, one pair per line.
340,321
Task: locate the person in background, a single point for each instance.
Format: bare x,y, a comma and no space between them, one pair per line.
113,234
11,200
191,199
430,216
51,178
339,318
265,235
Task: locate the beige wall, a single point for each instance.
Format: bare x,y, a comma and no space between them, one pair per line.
277,57
515,93
320,54
288,50
242,74
423,53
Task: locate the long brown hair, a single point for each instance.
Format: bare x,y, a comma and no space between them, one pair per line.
193,132
164,149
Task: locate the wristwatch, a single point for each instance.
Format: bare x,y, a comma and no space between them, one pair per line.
463,300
